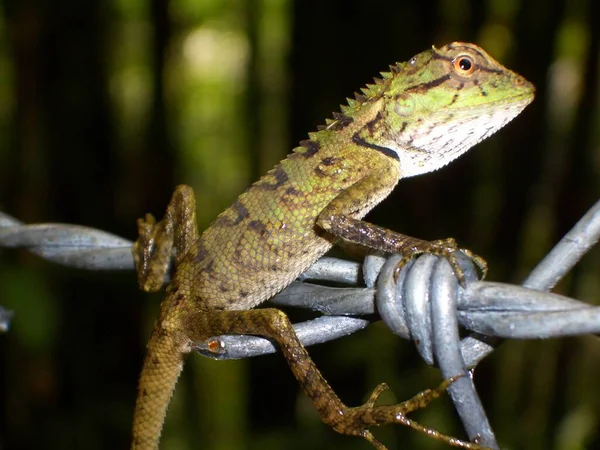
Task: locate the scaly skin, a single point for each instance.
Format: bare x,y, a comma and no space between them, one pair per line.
420,116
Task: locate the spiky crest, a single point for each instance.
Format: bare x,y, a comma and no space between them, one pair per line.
369,92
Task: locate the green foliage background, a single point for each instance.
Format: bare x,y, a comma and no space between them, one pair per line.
106,105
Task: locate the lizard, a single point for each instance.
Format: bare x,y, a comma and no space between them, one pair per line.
416,118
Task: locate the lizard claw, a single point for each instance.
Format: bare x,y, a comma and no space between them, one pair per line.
477,260
380,389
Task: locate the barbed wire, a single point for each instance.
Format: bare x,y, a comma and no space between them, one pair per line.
424,302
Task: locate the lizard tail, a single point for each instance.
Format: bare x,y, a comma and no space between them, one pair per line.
162,366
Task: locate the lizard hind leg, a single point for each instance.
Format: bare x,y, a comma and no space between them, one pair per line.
153,250
355,421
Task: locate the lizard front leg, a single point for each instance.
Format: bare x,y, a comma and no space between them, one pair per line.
355,421
338,219
167,345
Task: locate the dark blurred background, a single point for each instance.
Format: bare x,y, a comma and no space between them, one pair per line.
106,105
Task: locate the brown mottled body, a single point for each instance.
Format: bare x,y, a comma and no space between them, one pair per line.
423,114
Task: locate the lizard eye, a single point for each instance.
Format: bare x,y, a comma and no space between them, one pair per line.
464,65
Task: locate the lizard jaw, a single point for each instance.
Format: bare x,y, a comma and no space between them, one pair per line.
436,143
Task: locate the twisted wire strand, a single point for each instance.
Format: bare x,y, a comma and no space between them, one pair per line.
70,245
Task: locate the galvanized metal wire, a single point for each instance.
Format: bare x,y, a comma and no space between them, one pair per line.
424,302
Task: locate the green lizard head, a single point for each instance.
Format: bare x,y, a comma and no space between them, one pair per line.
439,104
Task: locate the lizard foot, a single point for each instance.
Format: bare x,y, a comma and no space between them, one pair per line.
447,248
152,252
159,242
357,421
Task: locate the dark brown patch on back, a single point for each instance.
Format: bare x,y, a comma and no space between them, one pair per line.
281,177
311,146
201,253
241,211
289,198
319,171
292,192
342,121
258,226
238,208
327,166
